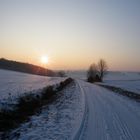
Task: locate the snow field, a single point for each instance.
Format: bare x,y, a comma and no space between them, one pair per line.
131,85
14,85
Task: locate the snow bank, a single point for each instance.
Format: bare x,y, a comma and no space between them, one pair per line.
58,121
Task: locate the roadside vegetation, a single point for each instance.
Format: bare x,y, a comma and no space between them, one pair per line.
29,105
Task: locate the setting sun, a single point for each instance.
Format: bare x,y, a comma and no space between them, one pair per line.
44,59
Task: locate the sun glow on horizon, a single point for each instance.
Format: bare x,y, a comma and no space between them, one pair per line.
44,59
69,35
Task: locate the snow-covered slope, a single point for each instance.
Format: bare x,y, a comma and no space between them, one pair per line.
104,116
15,83
84,112
59,120
109,116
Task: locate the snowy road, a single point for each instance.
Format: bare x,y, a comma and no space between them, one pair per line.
109,116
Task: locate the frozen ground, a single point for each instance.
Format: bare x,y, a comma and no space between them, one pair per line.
130,85
58,121
15,84
122,76
84,111
109,116
129,81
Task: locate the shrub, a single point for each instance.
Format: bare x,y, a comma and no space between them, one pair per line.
29,105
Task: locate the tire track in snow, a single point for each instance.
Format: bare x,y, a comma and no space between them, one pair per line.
79,133
111,117
99,124
121,127
129,128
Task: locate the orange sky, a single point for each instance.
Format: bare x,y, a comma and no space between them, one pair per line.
72,34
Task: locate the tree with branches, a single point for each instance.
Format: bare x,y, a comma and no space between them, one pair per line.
96,72
102,69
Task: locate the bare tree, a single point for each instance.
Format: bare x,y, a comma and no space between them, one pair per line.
92,72
102,68
97,72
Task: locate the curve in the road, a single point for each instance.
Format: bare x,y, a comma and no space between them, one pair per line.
110,116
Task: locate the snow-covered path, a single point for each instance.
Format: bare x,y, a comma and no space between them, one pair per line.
109,116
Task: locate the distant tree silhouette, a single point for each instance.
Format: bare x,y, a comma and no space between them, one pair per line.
102,69
97,72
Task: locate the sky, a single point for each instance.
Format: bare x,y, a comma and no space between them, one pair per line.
73,33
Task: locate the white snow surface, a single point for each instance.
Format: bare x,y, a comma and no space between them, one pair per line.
58,121
122,76
109,116
129,81
84,112
15,83
104,116
130,85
